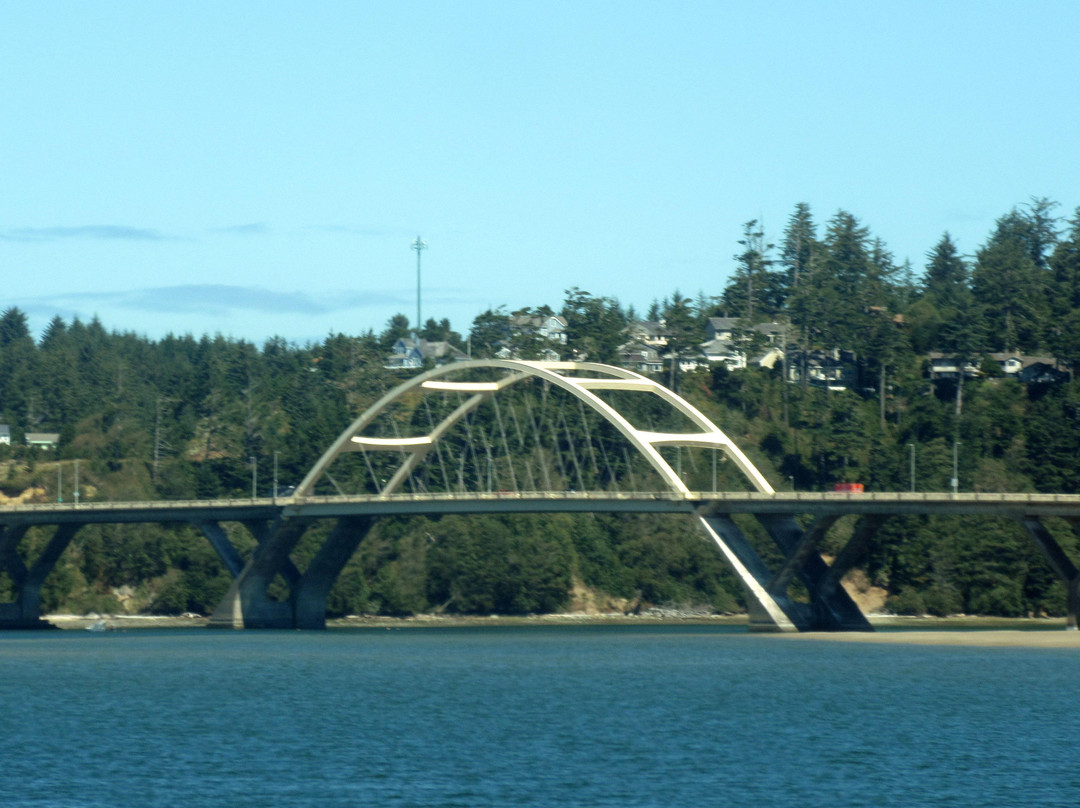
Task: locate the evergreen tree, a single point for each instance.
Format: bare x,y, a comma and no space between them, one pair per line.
595,326
1012,280
1063,332
683,333
958,330
751,293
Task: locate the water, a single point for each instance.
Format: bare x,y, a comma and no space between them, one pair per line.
529,716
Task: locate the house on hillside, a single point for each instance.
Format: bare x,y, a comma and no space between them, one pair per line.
723,351
5,434
829,369
410,354
942,366
1030,369
651,333
546,354
546,326
640,357
726,328
1014,365
43,440
1042,372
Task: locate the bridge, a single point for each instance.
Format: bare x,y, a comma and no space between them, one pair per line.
508,436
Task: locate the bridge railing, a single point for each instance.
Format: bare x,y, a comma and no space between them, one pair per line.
746,500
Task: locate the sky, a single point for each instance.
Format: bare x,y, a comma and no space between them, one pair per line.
261,169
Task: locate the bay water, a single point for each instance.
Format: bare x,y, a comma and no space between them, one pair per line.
529,716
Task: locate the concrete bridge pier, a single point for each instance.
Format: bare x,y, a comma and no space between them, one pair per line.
768,603
25,611
1060,562
248,604
311,593
768,611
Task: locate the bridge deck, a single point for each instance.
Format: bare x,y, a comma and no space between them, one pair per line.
940,504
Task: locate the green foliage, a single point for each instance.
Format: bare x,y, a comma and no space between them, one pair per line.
185,417
485,564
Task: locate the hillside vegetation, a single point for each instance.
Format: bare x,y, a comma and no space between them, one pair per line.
183,417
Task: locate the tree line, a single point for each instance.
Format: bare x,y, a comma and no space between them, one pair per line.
186,417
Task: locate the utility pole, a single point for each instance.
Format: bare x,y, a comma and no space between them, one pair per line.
419,245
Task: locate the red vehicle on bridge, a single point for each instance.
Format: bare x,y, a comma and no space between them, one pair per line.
849,488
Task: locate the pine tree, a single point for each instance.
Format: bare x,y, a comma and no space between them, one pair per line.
751,292
1012,279
1063,333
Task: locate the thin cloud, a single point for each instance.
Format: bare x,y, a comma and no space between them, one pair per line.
250,229
221,300
89,232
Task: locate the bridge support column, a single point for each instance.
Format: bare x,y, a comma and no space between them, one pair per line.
223,547
1060,562
248,604
312,591
767,612
768,603
25,611
832,609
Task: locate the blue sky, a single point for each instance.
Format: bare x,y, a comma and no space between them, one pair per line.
260,168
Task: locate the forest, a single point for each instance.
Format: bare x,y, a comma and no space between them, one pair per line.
187,417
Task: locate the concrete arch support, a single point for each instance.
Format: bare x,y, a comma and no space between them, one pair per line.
584,381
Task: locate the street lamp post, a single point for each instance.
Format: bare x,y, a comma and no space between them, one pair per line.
253,476
75,493
955,473
911,448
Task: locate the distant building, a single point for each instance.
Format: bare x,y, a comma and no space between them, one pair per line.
410,354
651,333
5,434
725,329
546,326
640,357
723,351
943,366
43,440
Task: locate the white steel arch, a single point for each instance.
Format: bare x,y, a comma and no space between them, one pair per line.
562,374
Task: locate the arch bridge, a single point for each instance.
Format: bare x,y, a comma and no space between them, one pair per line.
504,436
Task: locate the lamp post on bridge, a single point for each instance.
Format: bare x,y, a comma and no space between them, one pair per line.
955,473
253,475
911,448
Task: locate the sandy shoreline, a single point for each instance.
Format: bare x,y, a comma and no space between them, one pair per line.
957,631
991,638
